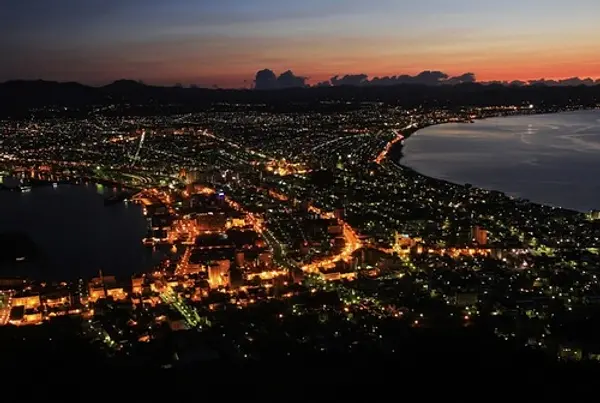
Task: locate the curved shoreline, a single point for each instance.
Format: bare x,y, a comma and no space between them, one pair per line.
396,153
409,133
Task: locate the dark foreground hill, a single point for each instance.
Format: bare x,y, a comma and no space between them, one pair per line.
59,345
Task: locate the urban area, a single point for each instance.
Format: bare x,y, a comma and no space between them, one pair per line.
298,234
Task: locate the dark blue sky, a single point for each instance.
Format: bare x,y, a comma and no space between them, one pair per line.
226,41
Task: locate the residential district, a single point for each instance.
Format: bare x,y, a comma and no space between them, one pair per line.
296,234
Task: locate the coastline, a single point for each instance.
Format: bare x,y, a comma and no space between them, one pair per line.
396,153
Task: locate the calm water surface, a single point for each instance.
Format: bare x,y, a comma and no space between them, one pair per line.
76,234
552,159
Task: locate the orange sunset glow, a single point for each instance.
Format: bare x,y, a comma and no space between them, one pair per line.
225,44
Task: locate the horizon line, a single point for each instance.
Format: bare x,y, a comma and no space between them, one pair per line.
250,84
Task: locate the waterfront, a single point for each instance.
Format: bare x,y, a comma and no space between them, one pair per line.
548,159
75,234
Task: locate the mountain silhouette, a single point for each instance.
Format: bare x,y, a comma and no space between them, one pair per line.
19,96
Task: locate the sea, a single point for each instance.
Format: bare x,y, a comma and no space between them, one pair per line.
552,159
75,234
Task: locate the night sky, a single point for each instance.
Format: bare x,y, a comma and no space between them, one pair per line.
225,42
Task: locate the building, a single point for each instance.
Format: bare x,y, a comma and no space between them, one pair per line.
218,273
594,215
28,301
116,293
96,292
32,317
183,174
337,274
479,235
137,285
234,222
240,258
58,299
17,313
211,222
265,259
403,243
103,286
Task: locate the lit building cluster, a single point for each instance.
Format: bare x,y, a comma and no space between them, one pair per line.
272,222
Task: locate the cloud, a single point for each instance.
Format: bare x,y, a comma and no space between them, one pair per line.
267,80
463,78
514,83
425,77
567,82
289,80
350,79
438,78
323,84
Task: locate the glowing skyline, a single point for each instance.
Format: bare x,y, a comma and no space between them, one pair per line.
226,42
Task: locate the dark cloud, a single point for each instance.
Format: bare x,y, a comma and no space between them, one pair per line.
568,82
424,78
429,78
350,79
515,83
463,78
289,80
439,78
267,80
323,84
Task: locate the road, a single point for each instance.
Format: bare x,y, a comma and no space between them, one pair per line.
399,137
183,265
351,244
5,307
190,315
279,252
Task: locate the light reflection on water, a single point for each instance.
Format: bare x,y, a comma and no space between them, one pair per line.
553,159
